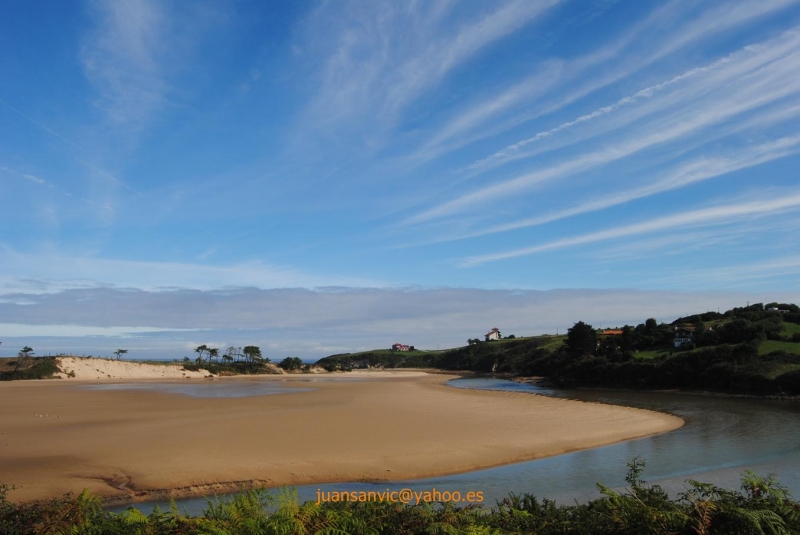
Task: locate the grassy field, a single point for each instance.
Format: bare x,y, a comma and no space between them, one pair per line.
790,328
389,352
780,370
553,341
651,354
769,346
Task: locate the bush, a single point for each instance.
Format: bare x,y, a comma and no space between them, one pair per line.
291,363
42,368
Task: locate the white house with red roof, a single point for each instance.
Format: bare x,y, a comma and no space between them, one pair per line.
494,334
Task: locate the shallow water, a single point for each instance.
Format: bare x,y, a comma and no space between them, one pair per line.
721,439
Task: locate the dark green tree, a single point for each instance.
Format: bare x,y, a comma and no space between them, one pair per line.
291,363
200,350
252,353
581,339
627,338
24,358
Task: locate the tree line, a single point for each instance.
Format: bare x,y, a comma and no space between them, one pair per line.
250,354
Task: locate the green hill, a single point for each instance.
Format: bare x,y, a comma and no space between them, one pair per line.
380,358
748,350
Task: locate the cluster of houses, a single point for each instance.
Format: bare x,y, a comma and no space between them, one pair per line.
683,335
493,334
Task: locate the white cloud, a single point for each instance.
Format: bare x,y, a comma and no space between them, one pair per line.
385,56
35,179
765,269
685,174
704,216
641,46
76,331
51,272
763,75
122,57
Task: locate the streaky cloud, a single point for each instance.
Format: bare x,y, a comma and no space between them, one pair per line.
703,216
769,76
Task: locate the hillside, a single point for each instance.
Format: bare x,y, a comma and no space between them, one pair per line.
749,350
380,358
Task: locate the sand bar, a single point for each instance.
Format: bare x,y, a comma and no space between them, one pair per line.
130,445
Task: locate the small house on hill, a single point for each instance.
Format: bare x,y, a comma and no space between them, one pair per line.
494,334
683,335
400,347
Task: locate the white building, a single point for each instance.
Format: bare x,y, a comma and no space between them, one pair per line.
684,335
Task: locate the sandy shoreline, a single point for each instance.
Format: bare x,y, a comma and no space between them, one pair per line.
129,445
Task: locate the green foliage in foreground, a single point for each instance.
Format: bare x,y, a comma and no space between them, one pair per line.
761,507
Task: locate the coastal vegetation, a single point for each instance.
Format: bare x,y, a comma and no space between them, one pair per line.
381,358
762,506
246,360
747,350
26,366
291,363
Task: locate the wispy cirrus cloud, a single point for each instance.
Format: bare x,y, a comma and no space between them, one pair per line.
692,83
386,55
135,50
685,174
764,75
122,56
713,215
737,274
568,84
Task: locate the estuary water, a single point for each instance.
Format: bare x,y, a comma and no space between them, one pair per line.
722,437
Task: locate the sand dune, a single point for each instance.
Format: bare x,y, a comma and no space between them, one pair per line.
97,368
56,436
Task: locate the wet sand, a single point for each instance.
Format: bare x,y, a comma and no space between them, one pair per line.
130,445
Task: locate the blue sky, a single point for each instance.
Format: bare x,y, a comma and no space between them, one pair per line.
325,176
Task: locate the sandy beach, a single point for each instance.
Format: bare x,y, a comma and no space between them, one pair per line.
132,445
